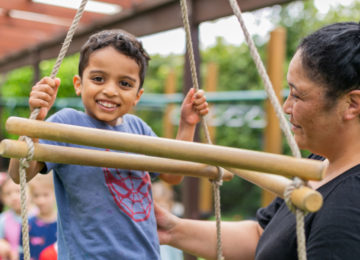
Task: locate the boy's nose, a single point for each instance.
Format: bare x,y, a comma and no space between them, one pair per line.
110,89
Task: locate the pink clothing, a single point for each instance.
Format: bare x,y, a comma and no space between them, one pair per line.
12,229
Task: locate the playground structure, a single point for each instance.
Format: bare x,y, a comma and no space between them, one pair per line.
305,199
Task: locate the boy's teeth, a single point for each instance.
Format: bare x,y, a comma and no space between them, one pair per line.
107,104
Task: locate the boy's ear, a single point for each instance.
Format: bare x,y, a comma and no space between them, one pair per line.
353,109
138,95
77,84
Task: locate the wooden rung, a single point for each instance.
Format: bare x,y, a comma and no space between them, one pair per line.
162,147
303,198
82,156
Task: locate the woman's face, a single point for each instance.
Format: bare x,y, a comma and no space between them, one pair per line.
315,122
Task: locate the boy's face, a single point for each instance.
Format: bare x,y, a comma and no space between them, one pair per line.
44,199
11,195
110,85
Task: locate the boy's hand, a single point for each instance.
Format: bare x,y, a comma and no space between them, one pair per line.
193,107
43,95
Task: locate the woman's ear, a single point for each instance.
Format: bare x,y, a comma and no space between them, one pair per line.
77,84
353,109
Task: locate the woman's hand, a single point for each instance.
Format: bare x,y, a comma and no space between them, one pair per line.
166,222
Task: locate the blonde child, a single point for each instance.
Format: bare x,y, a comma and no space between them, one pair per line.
42,226
10,220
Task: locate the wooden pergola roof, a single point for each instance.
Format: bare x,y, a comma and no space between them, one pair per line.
32,31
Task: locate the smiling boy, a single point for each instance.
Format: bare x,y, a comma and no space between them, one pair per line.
107,213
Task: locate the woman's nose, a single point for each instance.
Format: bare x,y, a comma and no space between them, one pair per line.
287,105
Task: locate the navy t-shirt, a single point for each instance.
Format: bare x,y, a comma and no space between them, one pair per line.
331,233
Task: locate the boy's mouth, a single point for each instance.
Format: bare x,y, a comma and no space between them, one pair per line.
107,104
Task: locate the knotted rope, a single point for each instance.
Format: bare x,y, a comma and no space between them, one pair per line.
218,182
24,162
297,182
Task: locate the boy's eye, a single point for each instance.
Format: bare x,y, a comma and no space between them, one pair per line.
124,83
98,79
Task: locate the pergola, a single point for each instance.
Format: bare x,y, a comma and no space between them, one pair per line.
32,31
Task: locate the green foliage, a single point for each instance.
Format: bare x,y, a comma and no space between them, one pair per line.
236,68
68,69
159,69
18,83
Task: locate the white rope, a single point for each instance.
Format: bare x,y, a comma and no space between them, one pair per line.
24,162
284,126
216,183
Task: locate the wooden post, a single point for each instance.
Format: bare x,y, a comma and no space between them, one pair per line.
206,197
275,66
170,88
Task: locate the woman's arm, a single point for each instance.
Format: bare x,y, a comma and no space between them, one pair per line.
239,239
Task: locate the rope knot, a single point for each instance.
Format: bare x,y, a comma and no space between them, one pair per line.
219,179
295,184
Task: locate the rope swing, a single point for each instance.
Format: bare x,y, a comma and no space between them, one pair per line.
215,183
24,162
297,182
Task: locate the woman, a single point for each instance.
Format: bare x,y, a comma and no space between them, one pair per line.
324,110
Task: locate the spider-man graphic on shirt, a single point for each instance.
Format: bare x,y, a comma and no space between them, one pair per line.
130,191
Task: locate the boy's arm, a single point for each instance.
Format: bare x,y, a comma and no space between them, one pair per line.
31,171
193,108
42,96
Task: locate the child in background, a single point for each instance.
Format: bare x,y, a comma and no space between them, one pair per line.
10,220
106,213
42,226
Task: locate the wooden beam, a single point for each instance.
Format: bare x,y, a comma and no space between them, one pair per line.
123,3
304,197
91,157
146,18
162,147
50,10
18,23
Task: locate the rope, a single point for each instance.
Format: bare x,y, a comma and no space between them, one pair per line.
216,183
24,162
299,215
297,182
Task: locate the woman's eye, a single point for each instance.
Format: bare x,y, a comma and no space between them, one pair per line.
295,96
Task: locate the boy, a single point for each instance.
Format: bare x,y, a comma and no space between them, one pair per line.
107,213
42,226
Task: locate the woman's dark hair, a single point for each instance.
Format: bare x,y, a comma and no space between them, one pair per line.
122,41
331,57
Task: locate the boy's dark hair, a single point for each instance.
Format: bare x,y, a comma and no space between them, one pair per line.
122,41
331,57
